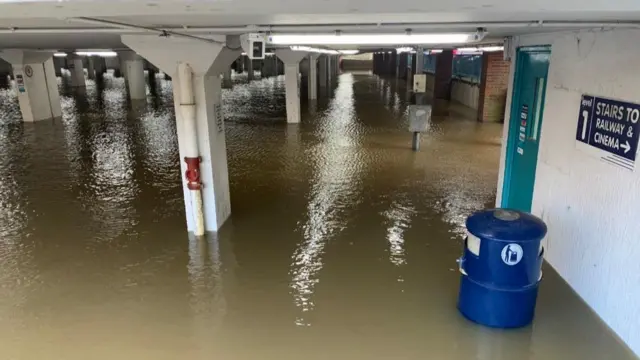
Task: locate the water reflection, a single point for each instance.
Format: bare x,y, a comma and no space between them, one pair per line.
334,190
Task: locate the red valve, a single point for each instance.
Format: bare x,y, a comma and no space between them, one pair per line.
193,173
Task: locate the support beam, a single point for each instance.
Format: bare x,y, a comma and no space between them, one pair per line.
58,64
77,70
100,66
91,72
226,79
323,71
330,75
444,66
36,84
250,74
291,60
122,58
312,82
207,61
137,86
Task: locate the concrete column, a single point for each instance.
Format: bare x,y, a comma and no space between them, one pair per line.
134,66
122,59
240,65
226,79
36,84
292,88
444,65
91,73
323,71
77,71
100,67
330,75
420,61
291,61
312,82
58,64
494,82
5,71
250,74
207,62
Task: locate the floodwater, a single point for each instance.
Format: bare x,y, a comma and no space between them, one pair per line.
342,242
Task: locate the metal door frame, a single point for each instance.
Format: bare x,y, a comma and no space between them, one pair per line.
512,133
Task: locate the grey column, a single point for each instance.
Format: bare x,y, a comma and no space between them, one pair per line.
322,71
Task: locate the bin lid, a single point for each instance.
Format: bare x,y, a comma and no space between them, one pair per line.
506,225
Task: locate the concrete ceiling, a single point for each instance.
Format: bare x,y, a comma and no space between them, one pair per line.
29,15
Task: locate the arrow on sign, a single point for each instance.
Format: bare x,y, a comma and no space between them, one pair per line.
626,147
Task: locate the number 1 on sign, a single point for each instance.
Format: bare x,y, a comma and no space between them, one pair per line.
585,118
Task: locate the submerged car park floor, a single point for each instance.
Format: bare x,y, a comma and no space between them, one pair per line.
342,242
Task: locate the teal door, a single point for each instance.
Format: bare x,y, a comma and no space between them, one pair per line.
527,106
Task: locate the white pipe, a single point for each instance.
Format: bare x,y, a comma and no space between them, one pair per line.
161,32
120,28
188,110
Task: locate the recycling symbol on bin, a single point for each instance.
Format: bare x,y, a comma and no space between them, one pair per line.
512,254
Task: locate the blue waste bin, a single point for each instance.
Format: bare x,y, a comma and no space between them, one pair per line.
501,268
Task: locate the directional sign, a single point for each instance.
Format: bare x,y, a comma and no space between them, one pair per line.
609,129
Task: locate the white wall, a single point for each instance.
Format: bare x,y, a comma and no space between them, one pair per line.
592,209
465,93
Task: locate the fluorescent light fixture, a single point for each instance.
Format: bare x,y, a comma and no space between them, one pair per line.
348,52
60,54
372,39
404,50
314,50
491,48
435,51
479,50
97,53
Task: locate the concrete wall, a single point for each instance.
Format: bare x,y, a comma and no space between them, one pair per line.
465,93
353,64
591,208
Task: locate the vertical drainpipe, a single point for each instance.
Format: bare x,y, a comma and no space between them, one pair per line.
192,155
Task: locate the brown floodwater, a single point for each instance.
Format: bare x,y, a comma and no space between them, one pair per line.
342,242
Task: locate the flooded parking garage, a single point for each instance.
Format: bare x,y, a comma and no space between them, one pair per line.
342,243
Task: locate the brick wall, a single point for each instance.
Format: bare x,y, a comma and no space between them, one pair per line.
493,87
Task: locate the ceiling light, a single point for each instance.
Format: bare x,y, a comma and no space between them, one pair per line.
60,54
373,39
404,50
478,50
314,50
97,53
491,48
348,52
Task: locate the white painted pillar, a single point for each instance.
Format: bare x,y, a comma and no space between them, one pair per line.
207,61
77,71
313,77
226,79
291,61
135,77
292,88
36,84
323,71
91,73
122,58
